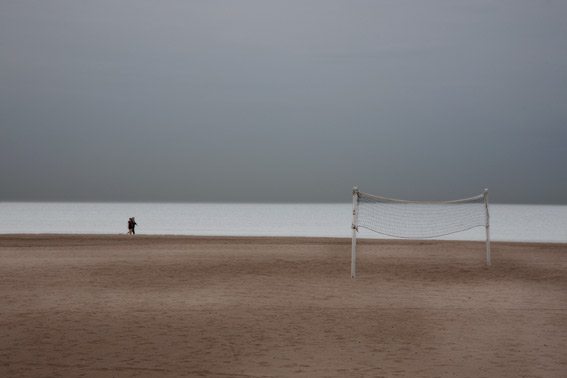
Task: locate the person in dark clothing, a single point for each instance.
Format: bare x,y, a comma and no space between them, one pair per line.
134,224
130,227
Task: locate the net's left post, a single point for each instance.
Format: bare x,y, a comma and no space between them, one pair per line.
354,230
487,225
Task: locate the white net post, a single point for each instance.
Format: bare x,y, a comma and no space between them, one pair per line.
487,227
354,230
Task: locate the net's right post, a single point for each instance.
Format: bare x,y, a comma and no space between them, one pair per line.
354,230
487,227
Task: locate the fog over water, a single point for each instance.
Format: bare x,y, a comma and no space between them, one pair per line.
283,101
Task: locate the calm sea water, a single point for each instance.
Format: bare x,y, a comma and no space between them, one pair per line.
508,222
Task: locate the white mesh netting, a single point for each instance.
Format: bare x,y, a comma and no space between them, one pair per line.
412,219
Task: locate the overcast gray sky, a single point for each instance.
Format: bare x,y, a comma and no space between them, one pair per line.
283,101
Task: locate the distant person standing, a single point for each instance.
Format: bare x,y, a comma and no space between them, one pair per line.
134,224
130,226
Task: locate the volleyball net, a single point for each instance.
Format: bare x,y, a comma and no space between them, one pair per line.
418,220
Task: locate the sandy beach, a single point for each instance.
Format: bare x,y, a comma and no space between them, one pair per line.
174,306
